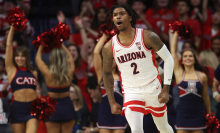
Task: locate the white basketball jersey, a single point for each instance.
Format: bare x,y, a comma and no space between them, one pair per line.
136,63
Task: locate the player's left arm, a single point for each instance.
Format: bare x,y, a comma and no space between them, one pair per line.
153,41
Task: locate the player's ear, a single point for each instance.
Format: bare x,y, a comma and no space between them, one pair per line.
130,18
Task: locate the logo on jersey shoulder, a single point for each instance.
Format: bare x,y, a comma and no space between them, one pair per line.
118,50
26,80
131,56
138,44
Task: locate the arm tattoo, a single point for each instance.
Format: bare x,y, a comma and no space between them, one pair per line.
155,41
107,74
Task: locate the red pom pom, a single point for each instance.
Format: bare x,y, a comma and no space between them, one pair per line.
37,42
106,29
52,39
63,31
42,108
17,17
212,123
182,28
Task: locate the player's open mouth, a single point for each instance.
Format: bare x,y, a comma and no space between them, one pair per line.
119,23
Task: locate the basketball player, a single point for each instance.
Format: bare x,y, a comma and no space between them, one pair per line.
133,51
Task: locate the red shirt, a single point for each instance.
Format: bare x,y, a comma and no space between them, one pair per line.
195,26
102,3
81,74
77,39
211,76
206,32
162,15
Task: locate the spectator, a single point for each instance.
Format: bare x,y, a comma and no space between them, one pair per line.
102,3
87,9
99,18
5,94
199,10
121,2
183,10
216,46
95,94
5,90
139,7
81,69
215,91
210,31
160,15
209,60
23,35
80,108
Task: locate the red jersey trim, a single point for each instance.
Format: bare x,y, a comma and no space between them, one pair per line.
23,68
135,36
154,60
142,38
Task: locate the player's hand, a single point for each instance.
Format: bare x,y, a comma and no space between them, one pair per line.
115,108
86,130
164,95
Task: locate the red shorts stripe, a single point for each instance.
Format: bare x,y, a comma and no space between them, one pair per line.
137,109
145,112
154,113
135,102
157,108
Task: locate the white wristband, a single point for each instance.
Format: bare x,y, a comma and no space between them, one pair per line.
214,94
91,130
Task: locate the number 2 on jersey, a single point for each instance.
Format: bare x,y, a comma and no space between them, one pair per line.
135,68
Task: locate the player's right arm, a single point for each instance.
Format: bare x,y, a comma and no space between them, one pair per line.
178,71
40,63
97,59
107,71
108,77
9,65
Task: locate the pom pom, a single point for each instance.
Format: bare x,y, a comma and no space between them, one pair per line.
182,28
105,29
17,17
37,42
42,108
212,123
53,38
63,31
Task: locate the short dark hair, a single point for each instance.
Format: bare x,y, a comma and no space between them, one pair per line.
12,1
92,82
185,1
131,12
